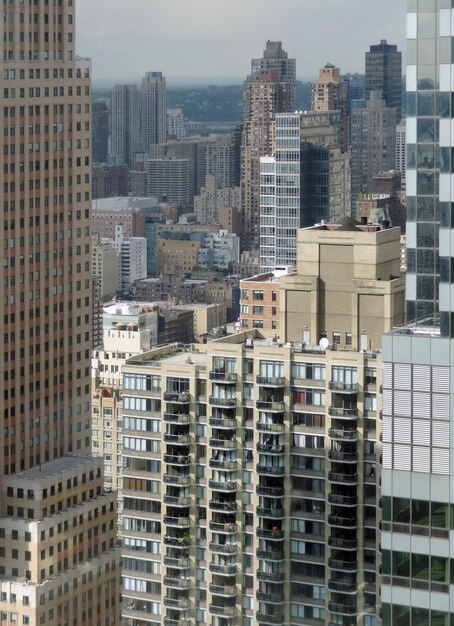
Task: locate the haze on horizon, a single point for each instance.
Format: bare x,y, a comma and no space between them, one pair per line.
203,40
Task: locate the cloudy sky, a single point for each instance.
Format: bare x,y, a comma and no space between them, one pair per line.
205,39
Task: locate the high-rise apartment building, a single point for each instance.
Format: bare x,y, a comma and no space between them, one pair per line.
59,560
100,134
384,73
331,93
269,89
251,466
125,124
153,96
305,181
418,451
373,144
401,151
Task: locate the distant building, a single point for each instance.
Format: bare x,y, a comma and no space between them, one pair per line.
331,93
401,152
206,316
125,124
229,219
270,89
169,177
212,199
133,256
153,95
109,181
175,326
373,143
219,251
384,73
138,183
100,132
260,301
105,267
175,124
107,213
248,265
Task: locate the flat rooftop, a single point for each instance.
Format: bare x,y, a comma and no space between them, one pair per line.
53,468
122,203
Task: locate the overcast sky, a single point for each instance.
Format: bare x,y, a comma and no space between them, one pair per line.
208,39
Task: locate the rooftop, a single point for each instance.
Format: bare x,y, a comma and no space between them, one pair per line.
54,468
122,203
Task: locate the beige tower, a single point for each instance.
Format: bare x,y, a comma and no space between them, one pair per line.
45,326
252,465
330,93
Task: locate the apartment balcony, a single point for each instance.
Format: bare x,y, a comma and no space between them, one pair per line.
223,465
344,434
341,500
181,522
270,448
270,381
223,548
176,542
228,485
220,422
223,443
270,470
223,527
343,457
226,570
271,598
177,583
271,513
273,535
343,412
345,479
272,492
177,398
274,577
342,609
229,591
183,563
177,622
177,418
175,479
177,500
223,506
225,378
266,427
342,565
173,459
223,402
180,604
266,618
179,440
349,388
273,407
342,522
342,543
271,555
226,611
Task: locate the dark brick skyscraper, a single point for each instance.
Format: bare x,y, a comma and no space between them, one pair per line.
384,73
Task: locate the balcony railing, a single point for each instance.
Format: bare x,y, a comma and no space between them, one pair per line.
273,492
343,387
272,470
265,533
218,422
171,520
271,555
271,381
272,513
177,439
221,464
227,570
269,427
273,598
221,590
176,542
219,505
344,522
341,433
173,479
229,611
224,377
274,407
223,402
222,443
177,418
344,566
172,396
266,618
182,563
342,609
342,544
176,603
275,577
223,527
223,548
177,500
270,449
178,583
217,485
174,459
341,500
346,479
345,457
343,412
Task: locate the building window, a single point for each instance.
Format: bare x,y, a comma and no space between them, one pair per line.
257,295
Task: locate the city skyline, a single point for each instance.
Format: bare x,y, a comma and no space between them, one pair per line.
180,52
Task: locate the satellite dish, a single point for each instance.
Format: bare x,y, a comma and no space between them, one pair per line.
323,343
